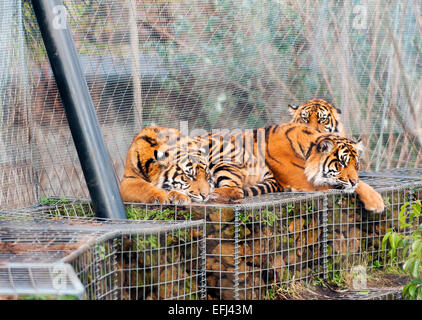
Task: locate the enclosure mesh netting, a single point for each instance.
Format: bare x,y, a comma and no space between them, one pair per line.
110,259
215,64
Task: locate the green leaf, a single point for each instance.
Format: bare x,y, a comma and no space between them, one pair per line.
385,239
419,293
406,289
417,248
405,225
395,240
412,290
409,264
415,269
403,213
416,208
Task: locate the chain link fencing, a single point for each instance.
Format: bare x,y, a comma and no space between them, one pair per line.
51,254
212,64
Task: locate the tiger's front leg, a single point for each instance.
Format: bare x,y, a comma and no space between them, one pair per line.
228,182
135,189
371,199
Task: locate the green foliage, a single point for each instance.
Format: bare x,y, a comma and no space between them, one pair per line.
53,201
66,207
408,247
290,208
268,217
101,251
271,294
149,242
134,213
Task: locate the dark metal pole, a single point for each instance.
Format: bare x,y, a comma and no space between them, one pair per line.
77,102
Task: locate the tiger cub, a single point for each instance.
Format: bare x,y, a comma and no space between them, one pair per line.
158,170
318,114
237,165
324,117
293,156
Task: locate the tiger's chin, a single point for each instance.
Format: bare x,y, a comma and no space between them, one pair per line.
345,188
198,199
318,180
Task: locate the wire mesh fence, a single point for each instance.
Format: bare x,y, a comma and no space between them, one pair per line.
111,260
263,245
214,64
272,241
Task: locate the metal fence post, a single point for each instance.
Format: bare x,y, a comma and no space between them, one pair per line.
324,237
79,108
236,253
203,258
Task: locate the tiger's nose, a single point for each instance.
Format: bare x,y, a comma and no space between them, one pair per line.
204,195
353,182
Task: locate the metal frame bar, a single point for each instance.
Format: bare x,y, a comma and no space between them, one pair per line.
83,122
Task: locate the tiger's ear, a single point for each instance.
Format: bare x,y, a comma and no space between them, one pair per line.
292,109
203,151
160,156
325,146
338,110
359,146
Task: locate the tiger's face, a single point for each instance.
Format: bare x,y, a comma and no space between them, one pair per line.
320,115
334,161
189,175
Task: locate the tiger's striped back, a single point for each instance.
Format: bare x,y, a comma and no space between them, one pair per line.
239,162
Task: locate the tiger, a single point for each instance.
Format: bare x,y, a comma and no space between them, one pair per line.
316,113
324,117
294,156
236,172
319,114
158,170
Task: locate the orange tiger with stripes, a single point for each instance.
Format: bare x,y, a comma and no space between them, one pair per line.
324,117
285,157
161,167
243,178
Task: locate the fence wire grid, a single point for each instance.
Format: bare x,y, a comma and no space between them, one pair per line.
124,260
258,246
215,64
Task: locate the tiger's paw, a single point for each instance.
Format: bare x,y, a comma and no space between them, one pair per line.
226,194
376,203
158,196
179,198
370,198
